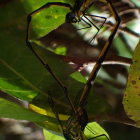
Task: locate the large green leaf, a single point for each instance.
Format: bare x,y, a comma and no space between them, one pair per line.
12,110
131,100
22,75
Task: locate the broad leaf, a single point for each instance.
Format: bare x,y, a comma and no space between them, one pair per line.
22,75
131,100
12,110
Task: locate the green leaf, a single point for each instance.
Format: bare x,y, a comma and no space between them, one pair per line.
92,131
131,100
52,136
47,19
12,110
77,76
21,74
42,23
61,50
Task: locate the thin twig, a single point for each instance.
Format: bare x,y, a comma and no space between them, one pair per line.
109,60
